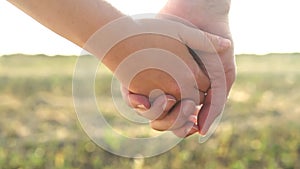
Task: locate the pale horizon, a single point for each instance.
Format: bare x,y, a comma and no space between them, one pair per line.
258,27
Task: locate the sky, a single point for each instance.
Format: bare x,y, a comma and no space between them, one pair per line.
258,27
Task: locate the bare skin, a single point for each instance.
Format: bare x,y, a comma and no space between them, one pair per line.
78,20
211,16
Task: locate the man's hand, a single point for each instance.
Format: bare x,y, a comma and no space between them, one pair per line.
211,16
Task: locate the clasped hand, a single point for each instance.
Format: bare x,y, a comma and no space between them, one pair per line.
184,83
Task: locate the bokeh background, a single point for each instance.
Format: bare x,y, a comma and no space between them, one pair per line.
260,127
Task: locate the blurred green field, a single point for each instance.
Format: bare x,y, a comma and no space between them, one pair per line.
260,128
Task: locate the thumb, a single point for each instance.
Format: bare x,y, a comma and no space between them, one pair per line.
159,108
139,102
209,117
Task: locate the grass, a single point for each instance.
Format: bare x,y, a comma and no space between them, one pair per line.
39,128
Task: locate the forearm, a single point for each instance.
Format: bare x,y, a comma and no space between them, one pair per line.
77,21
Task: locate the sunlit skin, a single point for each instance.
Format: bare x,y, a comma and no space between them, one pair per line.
211,16
77,20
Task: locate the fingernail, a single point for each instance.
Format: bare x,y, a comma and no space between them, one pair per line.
141,106
193,119
224,43
188,108
198,107
186,131
172,101
188,128
169,103
162,102
195,127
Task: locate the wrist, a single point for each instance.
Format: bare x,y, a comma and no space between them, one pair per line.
108,42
